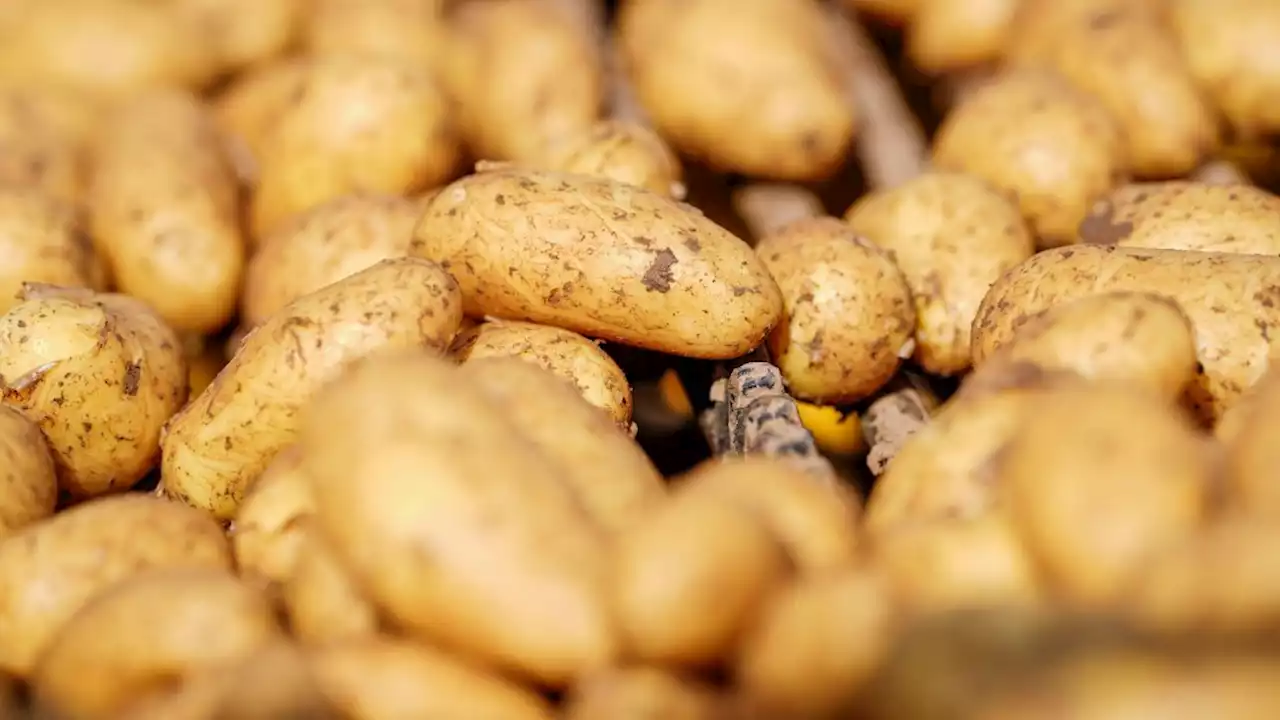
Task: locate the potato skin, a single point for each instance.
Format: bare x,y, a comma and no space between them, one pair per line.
49,570
631,266
406,29
1247,431
567,354
225,437
270,525
1233,333
1183,215
638,692
948,36
244,32
28,478
249,107
322,600
952,235
1229,49
101,374
42,242
42,134
620,150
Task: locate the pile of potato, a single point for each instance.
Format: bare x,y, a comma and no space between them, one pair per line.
311,402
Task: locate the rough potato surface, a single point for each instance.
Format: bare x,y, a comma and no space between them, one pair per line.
28,479
41,241
1183,215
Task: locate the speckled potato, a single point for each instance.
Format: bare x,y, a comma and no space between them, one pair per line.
49,570
270,525
42,133
779,111
42,241
28,479
322,246
566,353
601,258
100,374
625,151
244,33
1230,49
163,210
157,627
458,527
406,29
950,35
1182,215
638,692
952,235
229,434
250,105
1233,302
321,599
1052,147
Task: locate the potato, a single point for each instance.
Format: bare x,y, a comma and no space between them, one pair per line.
1248,433
406,29
49,570
163,210
244,33
779,111
42,132
42,241
894,11
100,374
848,316
322,600
621,150
567,354
153,628
479,547
28,478
947,36
1028,133
249,107
1229,50
816,522
1181,215
203,365
322,246
268,533
1232,330
601,258
637,692
229,434
353,124
952,235
613,479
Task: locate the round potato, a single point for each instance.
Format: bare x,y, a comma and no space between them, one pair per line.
321,599
28,479
42,241
101,374
406,29
952,235
602,258
250,106
267,535
1182,215
42,133
948,36
635,692
228,435
1029,133
1229,49
625,151
49,570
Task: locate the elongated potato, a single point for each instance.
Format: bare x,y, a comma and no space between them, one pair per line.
1229,50
457,526
28,478
567,354
952,235
49,570
229,434
1182,215
163,210
101,374
406,29
1233,302
267,535
42,134
635,692
601,258
322,600
42,242
625,151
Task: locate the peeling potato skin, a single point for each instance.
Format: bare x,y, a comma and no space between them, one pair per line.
322,600
952,235
1183,215
567,354
42,133
270,524
848,311
625,151
41,241
1230,49
101,374
49,570
229,434
28,479
1232,300
601,258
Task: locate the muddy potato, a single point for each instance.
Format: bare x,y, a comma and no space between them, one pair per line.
248,108
228,435
1233,329
601,258
459,528
49,570
952,235
42,241
42,134
779,111
567,354
1229,50
1182,215
948,36
101,374
406,29
322,600
636,692
28,479
620,150
244,33
267,535
1028,133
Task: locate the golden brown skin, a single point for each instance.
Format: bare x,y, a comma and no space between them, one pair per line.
244,33
1184,215
1247,431
894,11
322,600
601,258
629,693
956,35
1230,50
42,241
28,478
406,29
267,535
621,150
249,107
42,133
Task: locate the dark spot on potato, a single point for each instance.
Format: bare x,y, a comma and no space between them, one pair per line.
132,374
500,199
692,243
659,276
1263,328
1101,228
645,241
1268,296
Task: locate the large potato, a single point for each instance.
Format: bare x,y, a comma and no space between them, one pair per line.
458,527
101,374
42,241
28,479
952,235
601,258
1183,215
406,29
49,570
625,151
778,111
958,35
228,435
635,692
1229,46
321,598
270,525
42,133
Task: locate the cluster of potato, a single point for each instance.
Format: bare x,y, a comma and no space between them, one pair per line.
408,485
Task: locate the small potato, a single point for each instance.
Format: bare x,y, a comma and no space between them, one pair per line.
49,570
154,628
779,111
244,33
322,246
625,151
1181,215
250,106
1052,147
952,235
267,535
41,241
1229,48
567,354
101,374
321,598
163,210
610,474
28,478
848,317
42,134
601,258
636,693
406,29
950,35
1233,302
228,435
